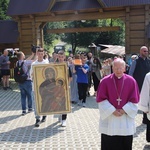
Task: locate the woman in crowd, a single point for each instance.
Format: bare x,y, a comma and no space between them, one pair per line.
82,80
73,82
96,75
106,68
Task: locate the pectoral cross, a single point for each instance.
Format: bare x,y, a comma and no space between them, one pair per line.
119,100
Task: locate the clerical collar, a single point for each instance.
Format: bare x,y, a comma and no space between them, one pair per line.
118,77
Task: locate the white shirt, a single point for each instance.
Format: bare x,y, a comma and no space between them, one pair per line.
144,103
37,63
112,125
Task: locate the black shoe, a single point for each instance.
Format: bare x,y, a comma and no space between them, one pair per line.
43,119
37,124
23,113
5,88
73,102
88,94
9,87
30,110
144,121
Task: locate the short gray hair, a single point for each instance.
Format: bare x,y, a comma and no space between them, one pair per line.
119,60
143,47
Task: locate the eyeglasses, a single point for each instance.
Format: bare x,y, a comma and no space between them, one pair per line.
146,51
119,69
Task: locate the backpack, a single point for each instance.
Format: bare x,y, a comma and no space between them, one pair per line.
19,75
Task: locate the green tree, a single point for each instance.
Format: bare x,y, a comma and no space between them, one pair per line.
3,9
49,38
113,37
85,39
79,39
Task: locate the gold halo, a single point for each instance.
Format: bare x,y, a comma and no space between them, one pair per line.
43,72
61,79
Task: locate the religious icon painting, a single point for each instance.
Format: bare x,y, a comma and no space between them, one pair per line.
51,88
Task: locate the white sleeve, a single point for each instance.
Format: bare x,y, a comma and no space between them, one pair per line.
131,109
31,71
106,109
145,95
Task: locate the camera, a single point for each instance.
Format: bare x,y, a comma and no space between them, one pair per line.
10,52
34,47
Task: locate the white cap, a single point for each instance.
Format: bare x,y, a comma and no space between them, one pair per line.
134,56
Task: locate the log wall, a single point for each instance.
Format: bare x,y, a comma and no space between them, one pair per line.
30,33
136,21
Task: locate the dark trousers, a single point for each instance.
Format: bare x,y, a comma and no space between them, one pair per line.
148,131
95,81
82,88
116,142
26,94
64,116
145,120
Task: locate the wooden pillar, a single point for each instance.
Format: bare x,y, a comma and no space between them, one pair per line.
42,37
127,31
41,33
30,33
25,34
20,34
147,22
34,36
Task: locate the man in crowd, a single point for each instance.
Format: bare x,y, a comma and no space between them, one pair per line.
144,104
26,86
61,59
117,98
139,68
40,60
5,69
54,57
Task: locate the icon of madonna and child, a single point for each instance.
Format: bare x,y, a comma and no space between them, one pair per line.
53,92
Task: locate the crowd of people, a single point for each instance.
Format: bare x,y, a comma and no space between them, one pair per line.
117,90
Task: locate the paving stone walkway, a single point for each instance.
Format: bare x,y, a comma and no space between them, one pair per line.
81,133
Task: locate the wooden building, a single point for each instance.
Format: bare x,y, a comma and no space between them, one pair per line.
32,15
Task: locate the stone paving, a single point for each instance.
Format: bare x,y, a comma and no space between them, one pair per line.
81,133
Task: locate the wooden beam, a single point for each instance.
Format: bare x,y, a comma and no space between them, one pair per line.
53,14
89,29
42,25
76,12
84,16
31,16
101,10
51,4
101,3
17,18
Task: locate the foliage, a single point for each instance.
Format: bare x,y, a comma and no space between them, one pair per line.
114,37
50,39
79,39
85,39
3,9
